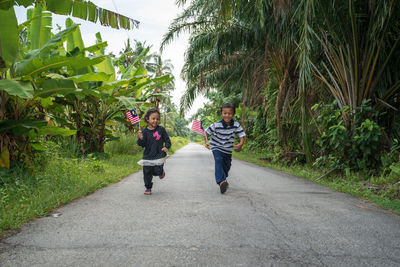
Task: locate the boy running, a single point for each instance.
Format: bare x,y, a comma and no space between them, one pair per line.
222,143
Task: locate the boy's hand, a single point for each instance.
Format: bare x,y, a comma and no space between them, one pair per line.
207,145
238,147
164,149
140,134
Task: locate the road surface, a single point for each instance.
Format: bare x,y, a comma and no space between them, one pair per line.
266,218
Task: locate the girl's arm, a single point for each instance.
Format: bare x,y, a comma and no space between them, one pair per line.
167,141
141,139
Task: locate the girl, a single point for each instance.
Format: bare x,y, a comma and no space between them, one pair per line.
156,143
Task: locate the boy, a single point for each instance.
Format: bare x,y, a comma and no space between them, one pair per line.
223,136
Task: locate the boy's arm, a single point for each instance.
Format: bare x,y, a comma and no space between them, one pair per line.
238,146
206,144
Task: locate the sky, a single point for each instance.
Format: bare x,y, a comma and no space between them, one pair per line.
155,16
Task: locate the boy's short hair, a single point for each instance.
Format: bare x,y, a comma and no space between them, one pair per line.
228,105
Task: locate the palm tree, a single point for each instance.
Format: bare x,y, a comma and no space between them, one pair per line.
239,45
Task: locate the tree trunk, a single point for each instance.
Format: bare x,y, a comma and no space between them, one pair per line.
279,102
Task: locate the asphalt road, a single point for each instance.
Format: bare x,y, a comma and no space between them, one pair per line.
266,218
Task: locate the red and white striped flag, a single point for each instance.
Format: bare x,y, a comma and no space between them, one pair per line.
133,116
197,126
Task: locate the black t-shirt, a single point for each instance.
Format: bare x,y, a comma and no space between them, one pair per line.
153,141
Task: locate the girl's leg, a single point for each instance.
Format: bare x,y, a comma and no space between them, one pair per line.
148,176
158,170
220,174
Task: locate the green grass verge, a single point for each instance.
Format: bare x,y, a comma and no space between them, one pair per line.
60,180
355,185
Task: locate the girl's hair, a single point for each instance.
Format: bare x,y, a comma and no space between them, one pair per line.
228,105
149,112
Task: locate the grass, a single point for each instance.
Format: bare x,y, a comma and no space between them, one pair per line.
58,180
355,184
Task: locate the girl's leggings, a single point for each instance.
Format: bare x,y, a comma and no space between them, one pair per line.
149,172
222,165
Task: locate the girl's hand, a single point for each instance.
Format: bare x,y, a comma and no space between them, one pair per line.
207,145
165,149
140,134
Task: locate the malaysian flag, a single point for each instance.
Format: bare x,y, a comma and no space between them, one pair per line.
133,116
197,126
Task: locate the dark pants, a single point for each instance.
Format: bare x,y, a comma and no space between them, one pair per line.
149,172
222,165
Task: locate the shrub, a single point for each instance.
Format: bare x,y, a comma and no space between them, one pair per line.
126,144
352,143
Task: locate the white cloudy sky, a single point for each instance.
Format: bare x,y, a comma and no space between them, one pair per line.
154,16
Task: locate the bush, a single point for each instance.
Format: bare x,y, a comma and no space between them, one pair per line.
177,143
126,144
348,140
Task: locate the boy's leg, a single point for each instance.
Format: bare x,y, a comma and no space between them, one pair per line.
226,163
148,176
220,174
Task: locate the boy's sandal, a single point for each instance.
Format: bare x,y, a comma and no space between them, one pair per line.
147,192
162,175
223,186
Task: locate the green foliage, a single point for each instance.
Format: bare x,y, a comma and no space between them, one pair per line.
177,143
126,144
56,181
264,135
356,146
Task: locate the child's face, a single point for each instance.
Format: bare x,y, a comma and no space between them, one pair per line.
227,115
154,120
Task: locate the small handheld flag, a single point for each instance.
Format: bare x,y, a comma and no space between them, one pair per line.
133,116
197,126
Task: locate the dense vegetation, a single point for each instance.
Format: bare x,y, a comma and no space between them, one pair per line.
63,104
315,82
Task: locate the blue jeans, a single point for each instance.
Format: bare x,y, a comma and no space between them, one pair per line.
222,165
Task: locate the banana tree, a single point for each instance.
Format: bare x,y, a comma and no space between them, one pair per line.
82,9
101,104
26,81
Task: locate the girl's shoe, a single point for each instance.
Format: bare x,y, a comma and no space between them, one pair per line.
162,175
223,186
147,192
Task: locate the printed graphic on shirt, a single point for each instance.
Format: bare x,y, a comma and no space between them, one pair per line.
156,135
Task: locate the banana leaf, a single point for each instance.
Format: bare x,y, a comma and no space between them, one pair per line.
37,65
20,127
74,39
89,77
39,32
17,88
122,82
105,66
53,131
63,87
9,39
44,50
96,47
128,102
78,8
